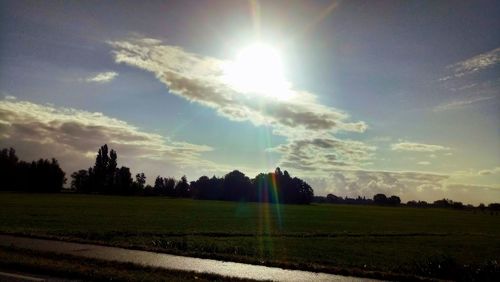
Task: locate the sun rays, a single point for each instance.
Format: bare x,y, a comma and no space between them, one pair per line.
258,70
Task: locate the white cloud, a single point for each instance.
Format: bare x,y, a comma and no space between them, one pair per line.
409,185
200,79
464,87
102,77
495,170
424,163
73,137
476,63
417,147
301,118
458,104
354,183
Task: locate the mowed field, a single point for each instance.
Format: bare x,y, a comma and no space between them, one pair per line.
336,238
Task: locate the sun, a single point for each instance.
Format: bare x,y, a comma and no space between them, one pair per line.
258,70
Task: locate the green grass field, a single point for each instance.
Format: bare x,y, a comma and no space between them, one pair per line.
347,239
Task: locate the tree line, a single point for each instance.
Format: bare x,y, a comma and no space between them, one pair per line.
106,178
383,200
42,175
378,199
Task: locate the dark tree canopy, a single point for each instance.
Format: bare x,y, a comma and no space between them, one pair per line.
381,199
182,188
105,177
276,187
38,176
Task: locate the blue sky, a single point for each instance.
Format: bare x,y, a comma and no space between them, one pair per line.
387,96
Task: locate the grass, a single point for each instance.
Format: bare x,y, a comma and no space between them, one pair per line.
359,240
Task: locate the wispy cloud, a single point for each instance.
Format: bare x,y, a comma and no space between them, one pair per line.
417,147
424,163
459,104
495,170
200,79
73,136
476,63
102,77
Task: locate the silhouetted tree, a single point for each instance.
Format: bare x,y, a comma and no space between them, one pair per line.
419,204
105,176
182,189
380,199
159,187
8,169
236,187
124,181
140,179
100,171
110,174
304,192
203,189
80,182
330,198
394,201
38,176
444,203
280,187
170,183
494,206
207,188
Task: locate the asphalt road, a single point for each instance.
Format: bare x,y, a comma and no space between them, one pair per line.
229,269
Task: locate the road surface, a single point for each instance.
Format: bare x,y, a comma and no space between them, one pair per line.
167,261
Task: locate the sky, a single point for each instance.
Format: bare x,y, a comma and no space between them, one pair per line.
355,97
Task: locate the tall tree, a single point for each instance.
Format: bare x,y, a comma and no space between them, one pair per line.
182,189
124,181
8,169
80,182
140,179
100,170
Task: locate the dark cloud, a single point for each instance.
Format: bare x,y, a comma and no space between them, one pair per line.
323,154
73,136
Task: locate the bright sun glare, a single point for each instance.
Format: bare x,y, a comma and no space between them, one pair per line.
258,69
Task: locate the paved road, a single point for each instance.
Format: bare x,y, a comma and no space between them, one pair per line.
15,277
230,269
8,276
